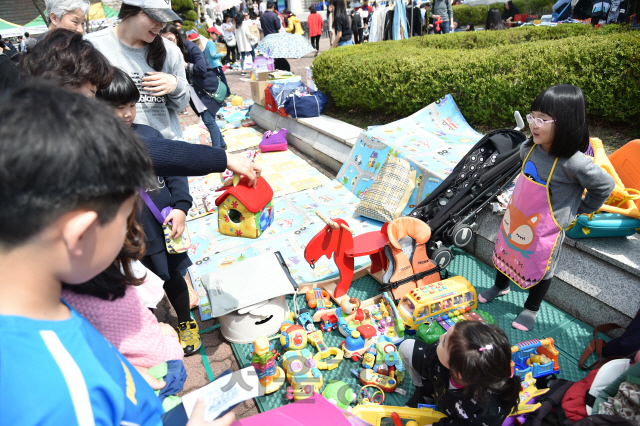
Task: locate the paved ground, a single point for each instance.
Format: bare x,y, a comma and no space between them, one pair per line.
219,353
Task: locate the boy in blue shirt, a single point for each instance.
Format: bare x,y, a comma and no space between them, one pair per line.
68,192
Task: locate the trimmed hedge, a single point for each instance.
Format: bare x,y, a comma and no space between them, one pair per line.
487,84
485,39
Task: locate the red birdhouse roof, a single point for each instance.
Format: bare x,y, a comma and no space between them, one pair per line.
252,199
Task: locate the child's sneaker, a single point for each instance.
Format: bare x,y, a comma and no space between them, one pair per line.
189,337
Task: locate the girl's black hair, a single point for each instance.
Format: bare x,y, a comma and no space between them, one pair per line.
239,19
312,9
566,105
471,26
157,53
339,8
486,370
494,20
510,3
180,41
121,91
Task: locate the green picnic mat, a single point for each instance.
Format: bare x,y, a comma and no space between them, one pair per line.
571,336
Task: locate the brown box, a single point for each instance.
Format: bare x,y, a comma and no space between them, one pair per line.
257,91
260,76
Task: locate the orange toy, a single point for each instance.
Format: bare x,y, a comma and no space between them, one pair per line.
316,295
620,166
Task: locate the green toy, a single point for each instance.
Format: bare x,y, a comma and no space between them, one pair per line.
431,332
339,393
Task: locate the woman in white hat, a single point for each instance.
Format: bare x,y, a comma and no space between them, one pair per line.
155,64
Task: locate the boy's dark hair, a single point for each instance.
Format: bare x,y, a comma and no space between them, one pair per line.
157,53
67,58
121,91
270,5
74,154
26,35
567,105
312,9
489,369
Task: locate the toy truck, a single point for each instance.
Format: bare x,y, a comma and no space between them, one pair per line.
328,322
356,344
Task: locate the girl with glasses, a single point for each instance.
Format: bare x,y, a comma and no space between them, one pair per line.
547,197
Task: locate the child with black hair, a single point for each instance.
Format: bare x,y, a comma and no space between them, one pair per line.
69,183
549,193
467,373
170,191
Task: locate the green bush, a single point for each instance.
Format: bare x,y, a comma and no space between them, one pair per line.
182,5
191,15
487,84
485,39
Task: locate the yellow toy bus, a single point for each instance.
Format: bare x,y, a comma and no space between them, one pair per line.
435,300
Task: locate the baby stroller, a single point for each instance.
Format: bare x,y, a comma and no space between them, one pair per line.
452,208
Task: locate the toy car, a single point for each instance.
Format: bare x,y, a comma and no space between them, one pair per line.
370,377
356,344
329,322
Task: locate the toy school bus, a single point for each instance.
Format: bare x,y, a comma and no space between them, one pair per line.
433,300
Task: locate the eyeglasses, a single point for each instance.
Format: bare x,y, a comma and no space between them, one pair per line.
539,122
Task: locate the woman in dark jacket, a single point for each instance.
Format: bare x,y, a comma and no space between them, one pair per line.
510,12
203,80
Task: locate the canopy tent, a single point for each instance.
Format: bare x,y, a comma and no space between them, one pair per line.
9,29
99,11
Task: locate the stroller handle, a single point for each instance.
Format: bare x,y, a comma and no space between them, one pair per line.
519,121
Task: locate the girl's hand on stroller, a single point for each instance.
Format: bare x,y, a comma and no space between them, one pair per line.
177,218
197,416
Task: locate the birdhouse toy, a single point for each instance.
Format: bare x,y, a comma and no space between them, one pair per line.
244,211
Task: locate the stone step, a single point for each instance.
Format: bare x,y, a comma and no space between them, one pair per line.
597,280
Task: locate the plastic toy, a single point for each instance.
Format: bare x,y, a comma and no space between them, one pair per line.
527,402
332,363
370,377
303,375
379,415
426,303
292,336
369,358
376,397
314,336
328,322
431,332
351,311
270,375
526,358
339,393
355,345
318,298
244,211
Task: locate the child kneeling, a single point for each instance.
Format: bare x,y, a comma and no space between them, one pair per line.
467,374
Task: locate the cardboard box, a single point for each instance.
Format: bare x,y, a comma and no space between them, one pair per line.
257,91
258,75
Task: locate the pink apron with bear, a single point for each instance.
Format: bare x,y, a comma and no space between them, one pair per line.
528,233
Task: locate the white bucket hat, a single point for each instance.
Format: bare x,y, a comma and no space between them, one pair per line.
160,10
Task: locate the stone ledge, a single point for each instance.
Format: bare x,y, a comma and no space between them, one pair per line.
597,280
325,139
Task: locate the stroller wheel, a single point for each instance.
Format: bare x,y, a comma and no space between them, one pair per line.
442,257
461,235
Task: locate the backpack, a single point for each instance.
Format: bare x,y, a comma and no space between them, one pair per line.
619,347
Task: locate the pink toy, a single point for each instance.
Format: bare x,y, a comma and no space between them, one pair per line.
313,411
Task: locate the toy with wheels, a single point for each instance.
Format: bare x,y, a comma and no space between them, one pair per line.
328,322
357,343
379,415
538,357
370,377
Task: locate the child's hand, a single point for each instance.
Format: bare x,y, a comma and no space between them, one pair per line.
152,381
177,218
197,417
159,83
241,165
